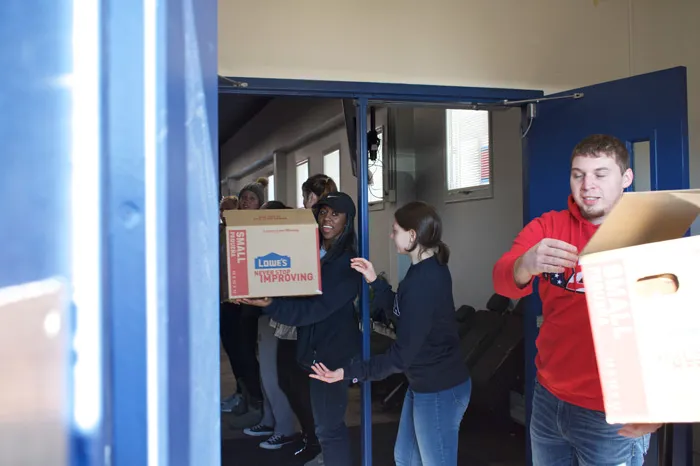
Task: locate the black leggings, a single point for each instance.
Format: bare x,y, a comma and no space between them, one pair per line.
238,328
294,382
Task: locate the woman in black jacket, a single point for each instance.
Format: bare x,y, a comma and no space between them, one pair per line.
326,324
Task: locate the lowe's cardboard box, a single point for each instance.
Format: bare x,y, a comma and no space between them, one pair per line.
642,283
272,253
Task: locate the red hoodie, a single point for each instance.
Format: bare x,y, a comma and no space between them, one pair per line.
566,363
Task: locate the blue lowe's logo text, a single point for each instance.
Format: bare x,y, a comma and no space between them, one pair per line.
272,261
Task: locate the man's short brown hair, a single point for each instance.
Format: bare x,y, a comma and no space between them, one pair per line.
598,145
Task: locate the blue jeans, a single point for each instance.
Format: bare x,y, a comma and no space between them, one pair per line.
429,427
565,434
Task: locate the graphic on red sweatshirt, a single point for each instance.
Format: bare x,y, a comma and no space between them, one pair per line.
574,282
566,363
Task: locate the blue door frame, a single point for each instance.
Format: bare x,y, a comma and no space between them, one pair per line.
363,93
35,220
160,188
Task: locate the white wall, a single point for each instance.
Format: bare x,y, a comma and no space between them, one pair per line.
477,231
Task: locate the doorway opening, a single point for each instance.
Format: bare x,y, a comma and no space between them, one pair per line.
466,160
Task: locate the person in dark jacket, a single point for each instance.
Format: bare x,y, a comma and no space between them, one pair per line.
327,329
227,319
240,331
427,344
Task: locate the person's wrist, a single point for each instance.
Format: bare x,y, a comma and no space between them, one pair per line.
519,266
521,274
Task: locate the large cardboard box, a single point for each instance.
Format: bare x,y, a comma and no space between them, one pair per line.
272,253
642,283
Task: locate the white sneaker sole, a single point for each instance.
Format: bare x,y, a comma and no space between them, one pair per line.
277,446
258,434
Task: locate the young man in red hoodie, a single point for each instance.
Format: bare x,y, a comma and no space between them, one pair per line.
568,421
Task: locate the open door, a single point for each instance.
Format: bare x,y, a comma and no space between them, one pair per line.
650,107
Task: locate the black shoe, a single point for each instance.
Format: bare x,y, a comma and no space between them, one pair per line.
259,431
298,445
308,452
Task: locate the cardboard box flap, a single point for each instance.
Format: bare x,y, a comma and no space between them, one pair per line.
646,217
241,218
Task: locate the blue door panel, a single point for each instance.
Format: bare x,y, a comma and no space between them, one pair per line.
35,127
649,107
631,109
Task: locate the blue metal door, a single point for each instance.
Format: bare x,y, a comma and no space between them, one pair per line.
650,107
37,169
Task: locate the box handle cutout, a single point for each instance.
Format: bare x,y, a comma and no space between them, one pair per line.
657,285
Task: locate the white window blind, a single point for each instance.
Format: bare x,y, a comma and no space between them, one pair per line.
331,166
468,152
302,175
375,188
271,188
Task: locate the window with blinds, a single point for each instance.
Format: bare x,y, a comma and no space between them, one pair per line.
468,150
375,187
331,166
302,176
271,187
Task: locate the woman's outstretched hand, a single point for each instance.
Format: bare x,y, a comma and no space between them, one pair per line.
322,373
365,267
257,302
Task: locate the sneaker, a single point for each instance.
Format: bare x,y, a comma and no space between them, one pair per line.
234,404
310,454
259,430
298,445
276,442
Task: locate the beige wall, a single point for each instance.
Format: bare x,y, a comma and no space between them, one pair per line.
539,44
